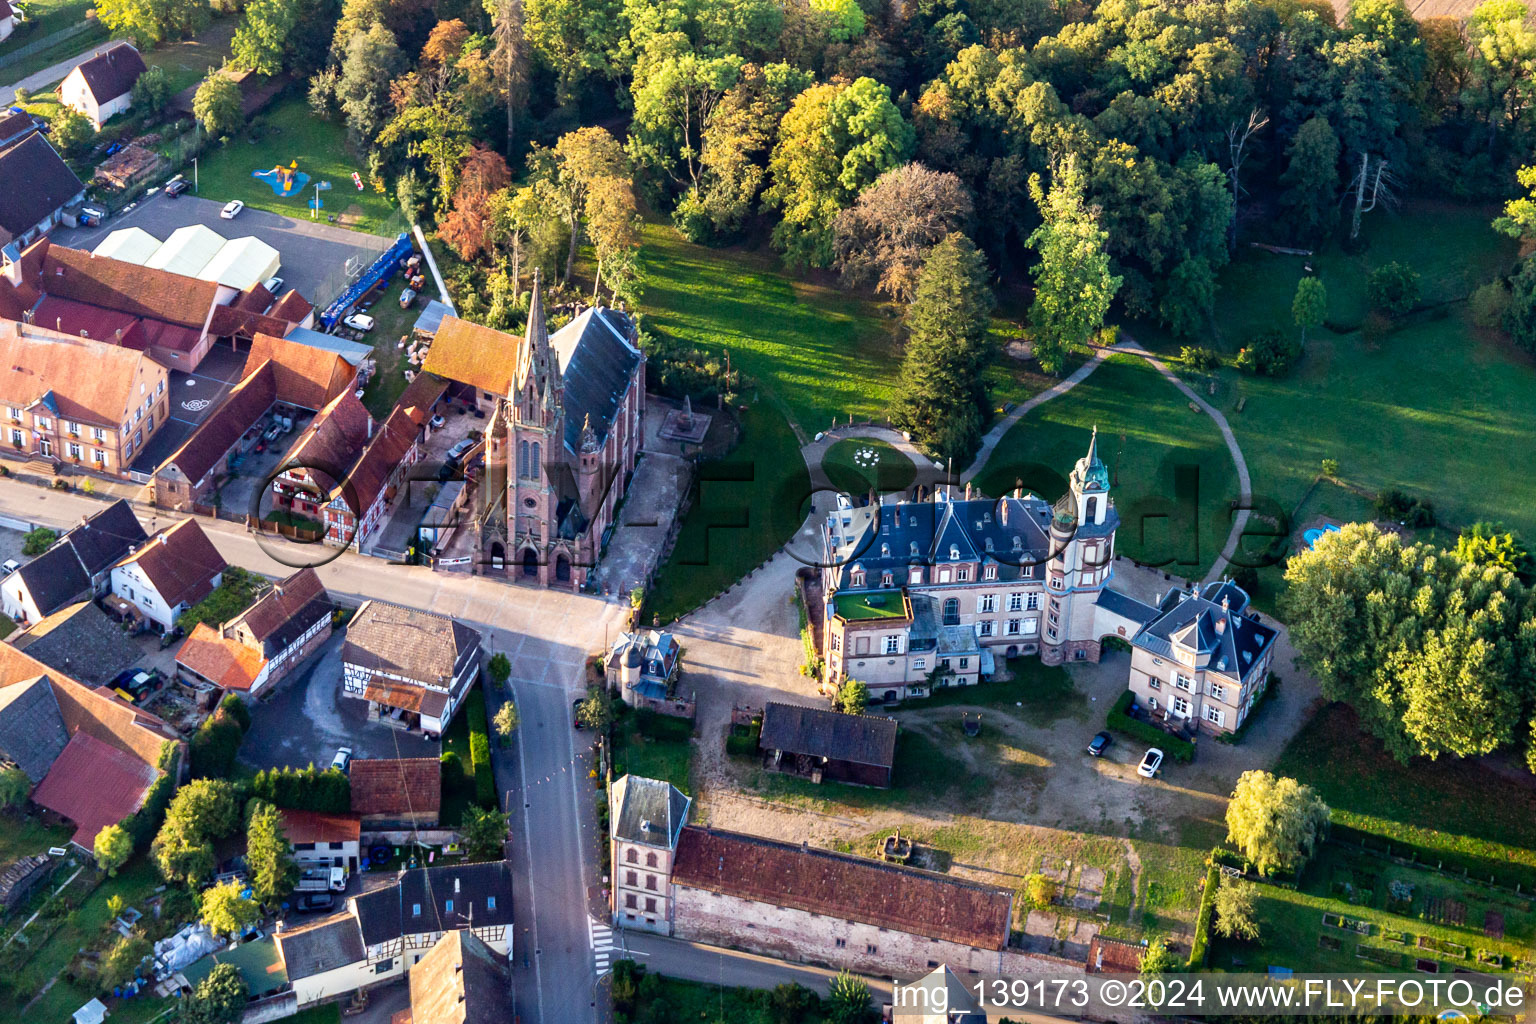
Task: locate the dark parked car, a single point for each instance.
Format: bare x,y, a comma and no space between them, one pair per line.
312,902
176,188
1099,744
576,712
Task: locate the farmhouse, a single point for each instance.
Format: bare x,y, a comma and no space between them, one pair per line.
825,745
323,840
260,646
51,186
563,436
78,565
412,667
101,87
169,573
388,930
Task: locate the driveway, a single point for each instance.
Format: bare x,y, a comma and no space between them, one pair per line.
307,719
313,254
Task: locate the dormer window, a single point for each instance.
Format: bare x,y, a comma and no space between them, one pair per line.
954,553
858,578
886,579
885,551
912,550
988,544
991,572
915,576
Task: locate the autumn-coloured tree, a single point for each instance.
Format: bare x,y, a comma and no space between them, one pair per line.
468,227
884,237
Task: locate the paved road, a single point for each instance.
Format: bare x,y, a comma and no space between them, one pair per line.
547,635
54,72
693,961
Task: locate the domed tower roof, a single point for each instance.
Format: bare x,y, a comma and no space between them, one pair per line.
1090,473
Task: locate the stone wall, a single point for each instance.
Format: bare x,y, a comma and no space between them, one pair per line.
797,935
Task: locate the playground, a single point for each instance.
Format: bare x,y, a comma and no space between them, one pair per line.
285,181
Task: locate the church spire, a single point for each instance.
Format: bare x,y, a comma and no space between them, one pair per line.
536,361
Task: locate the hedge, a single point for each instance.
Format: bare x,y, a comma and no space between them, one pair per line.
1199,949
216,745
480,749
304,789
1174,747
144,823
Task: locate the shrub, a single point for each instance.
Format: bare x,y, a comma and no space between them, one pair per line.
1393,504
1198,357
1269,354
234,707
1174,747
1040,890
304,789
744,744
1393,288
453,766
215,746
1488,303
38,541
60,484
480,749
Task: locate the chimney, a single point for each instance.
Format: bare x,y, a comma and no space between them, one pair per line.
162,537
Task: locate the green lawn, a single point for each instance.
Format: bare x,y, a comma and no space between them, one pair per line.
1037,693
293,132
392,323
856,464
186,62
458,793
21,836
654,756
1457,811
50,55
887,604
745,506
1172,476
44,18
1437,404
819,353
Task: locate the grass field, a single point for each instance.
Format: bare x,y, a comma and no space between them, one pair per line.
1436,404
392,323
67,49
44,18
857,464
1172,477
1446,809
292,132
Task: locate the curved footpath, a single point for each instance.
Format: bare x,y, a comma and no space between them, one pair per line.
927,473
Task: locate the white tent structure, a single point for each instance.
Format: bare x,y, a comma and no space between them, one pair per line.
241,262
129,245
187,250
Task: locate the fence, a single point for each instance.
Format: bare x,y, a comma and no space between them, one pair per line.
51,39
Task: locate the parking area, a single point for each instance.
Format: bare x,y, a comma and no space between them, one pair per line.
258,465
307,719
314,254
193,397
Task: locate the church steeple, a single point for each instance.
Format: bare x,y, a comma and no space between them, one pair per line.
537,361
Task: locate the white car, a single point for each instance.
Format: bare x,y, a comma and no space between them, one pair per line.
273,284
343,759
1151,761
359,322
10,566
232,209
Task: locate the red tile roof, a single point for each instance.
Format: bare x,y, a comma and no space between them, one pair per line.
397,786
127,287
838,885
246,402
305,376
229,322
470,354
180,561
333,441
292,306
320,827
90,381
280,604
219,659
1113,956
94,785
391,441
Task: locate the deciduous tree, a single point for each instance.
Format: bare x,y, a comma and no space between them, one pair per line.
261,41
1310,306
226,912
1310,185
152,90
112,846
1275,823
506,720
484,833
371,63
152,21
884,237
218,999
852,697
217,106
1236,905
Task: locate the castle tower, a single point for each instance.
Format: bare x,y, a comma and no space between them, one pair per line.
536,437
1082,550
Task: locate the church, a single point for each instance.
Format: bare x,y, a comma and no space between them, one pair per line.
926,594
562,436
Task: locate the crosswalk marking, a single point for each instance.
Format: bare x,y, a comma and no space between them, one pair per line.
600,936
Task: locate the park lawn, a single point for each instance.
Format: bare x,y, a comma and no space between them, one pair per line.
1453,810
822,354
745,506
186,61
1038,693
1148,435
854,465
291,132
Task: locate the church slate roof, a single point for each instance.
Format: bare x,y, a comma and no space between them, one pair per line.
597,361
